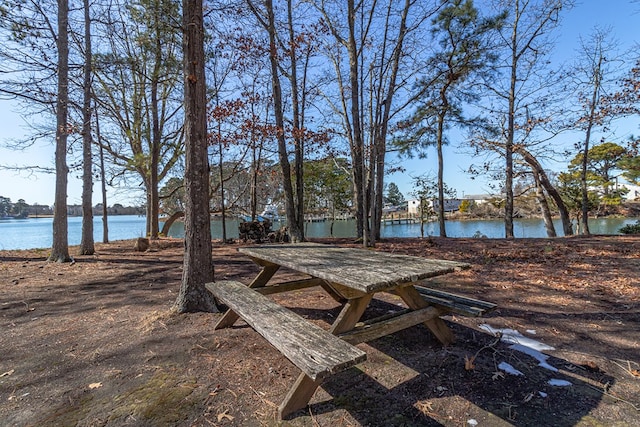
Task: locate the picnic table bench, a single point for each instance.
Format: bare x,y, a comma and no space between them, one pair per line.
352,277
315,351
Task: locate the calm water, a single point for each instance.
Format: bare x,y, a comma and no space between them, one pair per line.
37,232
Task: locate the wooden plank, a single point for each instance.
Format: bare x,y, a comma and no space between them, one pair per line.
389,324
363,270
456,303
293,285
315,351
267,272
436,325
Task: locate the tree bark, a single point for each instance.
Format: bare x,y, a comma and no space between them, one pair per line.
357,145
87,246
60,247
156,134
565,216
223,208
544,207
103,186
297,107
295,231
508,152
440,136
585,150
198,265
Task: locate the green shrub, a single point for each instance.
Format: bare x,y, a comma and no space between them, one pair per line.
631,228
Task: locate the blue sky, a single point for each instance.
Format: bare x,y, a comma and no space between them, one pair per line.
622,16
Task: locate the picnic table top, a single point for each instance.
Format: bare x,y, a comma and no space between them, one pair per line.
360,269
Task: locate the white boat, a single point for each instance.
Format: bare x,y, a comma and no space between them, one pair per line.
270,212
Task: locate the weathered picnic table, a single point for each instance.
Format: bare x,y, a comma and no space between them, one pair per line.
351,276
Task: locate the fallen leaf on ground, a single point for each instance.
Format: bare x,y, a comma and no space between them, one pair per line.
591,366
468,363
95,385
224,415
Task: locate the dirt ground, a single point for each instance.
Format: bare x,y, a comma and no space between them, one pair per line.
94,343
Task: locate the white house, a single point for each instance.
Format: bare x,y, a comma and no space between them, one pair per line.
413,206
450,205
633,194
478,199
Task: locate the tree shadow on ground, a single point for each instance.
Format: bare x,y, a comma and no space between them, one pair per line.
410,379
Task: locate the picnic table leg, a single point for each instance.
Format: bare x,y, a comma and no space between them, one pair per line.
267,272
298,396
302,390
328,289
412,298
350,314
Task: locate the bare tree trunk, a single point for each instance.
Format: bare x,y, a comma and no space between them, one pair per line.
103,186
536,167
441,218
384,108
376,217
357,147
544,207
60,247
254,185
198,265
296,232
156,136
508,153
223,210
87,246
298,119
585,154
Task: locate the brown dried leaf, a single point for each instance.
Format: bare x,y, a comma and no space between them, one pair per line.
468,363
223,415
590,365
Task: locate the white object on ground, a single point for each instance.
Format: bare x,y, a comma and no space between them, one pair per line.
509,369
559,383
511,336
540,357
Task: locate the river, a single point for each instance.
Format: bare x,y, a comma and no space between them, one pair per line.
34,233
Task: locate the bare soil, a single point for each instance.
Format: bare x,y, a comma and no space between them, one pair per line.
94,342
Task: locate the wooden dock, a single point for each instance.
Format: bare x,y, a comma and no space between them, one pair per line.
400,218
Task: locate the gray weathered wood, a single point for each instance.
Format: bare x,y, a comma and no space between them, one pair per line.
436,325
363,270
456,303
293,285
389,324
315,351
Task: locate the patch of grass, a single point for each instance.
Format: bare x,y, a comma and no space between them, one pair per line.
164,399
